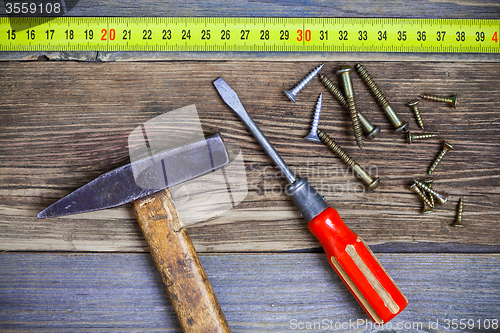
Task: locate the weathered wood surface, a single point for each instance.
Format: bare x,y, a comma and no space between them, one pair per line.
258,293
64,124
483,9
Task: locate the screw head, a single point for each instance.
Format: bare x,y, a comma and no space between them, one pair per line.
312,137
374,184
413,103
344,69
447,146
374,133
402,129
409,137
442,198
427,209
290,95
453,101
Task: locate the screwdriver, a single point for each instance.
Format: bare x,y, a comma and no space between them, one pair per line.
347,253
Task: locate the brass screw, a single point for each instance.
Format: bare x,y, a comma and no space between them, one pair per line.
427,204
413,104
446,148
428,182
367,179
382,101
372,131
345,75
450,100
410,137
458,223
292,93
441,198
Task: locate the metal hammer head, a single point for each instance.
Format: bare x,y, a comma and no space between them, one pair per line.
158,171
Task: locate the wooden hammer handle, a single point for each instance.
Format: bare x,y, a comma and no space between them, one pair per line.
180,268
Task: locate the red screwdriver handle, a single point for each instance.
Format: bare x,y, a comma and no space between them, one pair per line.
358,267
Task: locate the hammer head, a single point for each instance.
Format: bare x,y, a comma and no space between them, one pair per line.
156,172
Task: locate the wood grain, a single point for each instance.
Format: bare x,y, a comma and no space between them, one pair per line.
58,292
65,124
482,9
179,266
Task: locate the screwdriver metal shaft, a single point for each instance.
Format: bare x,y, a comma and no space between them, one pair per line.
303,195
232,100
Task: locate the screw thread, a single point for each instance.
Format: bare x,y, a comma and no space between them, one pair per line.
334,90
458,222
306,80
430,197
313,136
328,141
450,100
423,196
420,121
371,84
356,126
367,125
441,198
423,136
427,188
317,113
436,98
437,160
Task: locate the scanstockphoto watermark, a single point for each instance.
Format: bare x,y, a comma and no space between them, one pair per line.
486,324
310,169
321,177
325,188
359,324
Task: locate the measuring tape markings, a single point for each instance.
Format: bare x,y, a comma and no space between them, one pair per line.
249,34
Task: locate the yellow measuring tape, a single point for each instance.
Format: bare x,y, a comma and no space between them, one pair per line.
249,34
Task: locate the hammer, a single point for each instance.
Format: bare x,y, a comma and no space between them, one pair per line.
180,268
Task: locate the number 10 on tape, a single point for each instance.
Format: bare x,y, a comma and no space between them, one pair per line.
249,34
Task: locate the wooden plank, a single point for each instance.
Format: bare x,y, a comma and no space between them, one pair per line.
45,56
56,292
483,9
65,124
129,56
488,9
